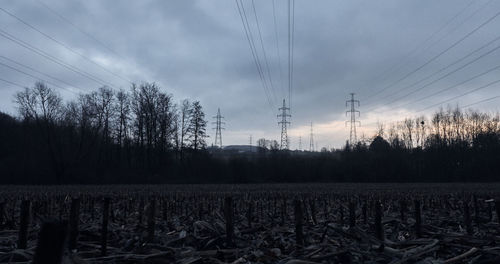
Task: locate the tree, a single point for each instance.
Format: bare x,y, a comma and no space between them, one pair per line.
185,125
122,107
44,106
39,103
166,115
198,125
379,144
262,143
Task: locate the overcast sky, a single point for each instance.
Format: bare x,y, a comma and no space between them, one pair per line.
391,53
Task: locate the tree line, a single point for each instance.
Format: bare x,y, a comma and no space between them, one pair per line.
451,145
101,133
142,135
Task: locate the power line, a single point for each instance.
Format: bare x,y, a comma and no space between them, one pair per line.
251,44
264,51
440,53
79,29
34,77
447,74
464,106
256,54
62,44
39,72
480,101
291,27
278,48
52,58
461,95
293,46
399,64
458,84
12,83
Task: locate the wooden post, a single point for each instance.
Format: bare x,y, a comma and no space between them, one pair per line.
283,211
467,218
365,217
325,209
490,212
299,235
476,210
62,207
402,210
2,215
112,215
379,229
274,207
50,245
92,211
261,211
352,214
418,219
497,209
165,210
249,214
312,205
104,229
74,219
140,211
24,223
341,213
200,211
228,214
151,219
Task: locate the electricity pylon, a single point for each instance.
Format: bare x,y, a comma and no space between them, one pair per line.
311,139
218,128
352,135
284,122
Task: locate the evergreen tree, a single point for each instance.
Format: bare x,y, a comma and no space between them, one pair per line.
198,125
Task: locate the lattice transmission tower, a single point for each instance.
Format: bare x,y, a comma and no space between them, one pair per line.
218,128
284,123
311,139
353,123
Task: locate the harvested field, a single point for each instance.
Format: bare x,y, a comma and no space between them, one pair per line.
282,223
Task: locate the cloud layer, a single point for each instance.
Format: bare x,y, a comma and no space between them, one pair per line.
198,50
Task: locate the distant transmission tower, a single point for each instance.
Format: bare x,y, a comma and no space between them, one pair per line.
352,136
218,128
300,142
284,114
251,143
311,139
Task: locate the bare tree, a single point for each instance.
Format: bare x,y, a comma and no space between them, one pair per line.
185,126
44,106
408,132
262,143
166,115
122,107
39,103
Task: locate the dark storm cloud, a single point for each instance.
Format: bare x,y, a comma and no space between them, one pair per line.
198,50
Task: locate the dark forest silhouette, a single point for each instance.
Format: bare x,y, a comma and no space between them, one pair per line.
143,136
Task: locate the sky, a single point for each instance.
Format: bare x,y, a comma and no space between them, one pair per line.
400,58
